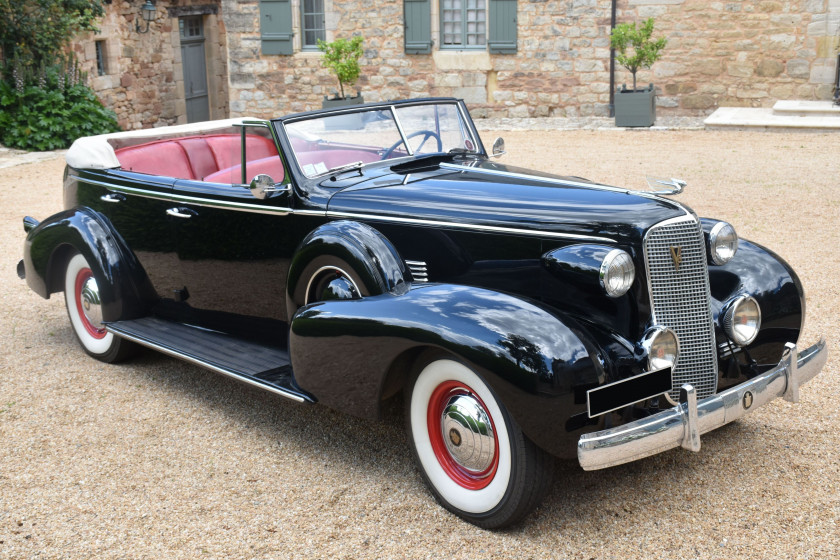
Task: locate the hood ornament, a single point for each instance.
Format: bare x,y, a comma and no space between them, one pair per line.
671,186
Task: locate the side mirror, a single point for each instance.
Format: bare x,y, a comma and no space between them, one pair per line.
498,147
263,185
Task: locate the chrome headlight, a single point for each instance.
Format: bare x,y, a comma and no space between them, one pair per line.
723,243
662,348
617,273
742,320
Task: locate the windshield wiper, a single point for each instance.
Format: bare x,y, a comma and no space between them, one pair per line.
355,166
462,151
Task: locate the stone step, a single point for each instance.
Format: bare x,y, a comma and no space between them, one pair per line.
806,108
744,118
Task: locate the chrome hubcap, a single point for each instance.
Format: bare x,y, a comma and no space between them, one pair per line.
468,433
91,304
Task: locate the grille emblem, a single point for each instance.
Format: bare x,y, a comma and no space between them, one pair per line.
676,256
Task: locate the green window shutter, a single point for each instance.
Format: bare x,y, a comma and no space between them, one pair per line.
276,26
502,38
418,26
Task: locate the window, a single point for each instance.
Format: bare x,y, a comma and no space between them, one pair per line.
463,23
101,65
191,27
313,23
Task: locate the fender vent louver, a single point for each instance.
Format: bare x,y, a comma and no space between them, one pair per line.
418,270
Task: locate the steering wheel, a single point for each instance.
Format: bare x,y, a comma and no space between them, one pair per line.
426,135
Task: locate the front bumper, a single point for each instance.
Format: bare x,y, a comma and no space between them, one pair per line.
685,423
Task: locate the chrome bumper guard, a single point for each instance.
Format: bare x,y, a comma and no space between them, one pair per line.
685,423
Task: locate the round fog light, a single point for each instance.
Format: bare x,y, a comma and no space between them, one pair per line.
741,320
662,348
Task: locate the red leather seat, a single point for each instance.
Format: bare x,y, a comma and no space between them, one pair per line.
271,165
200,157
166,158
227,149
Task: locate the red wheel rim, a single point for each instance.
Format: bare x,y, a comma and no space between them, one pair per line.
460,475
83,276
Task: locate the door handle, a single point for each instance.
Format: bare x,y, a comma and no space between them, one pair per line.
112,197
183,213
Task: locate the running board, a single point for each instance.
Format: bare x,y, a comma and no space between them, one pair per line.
261,366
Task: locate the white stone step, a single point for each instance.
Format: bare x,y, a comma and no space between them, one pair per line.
745,118
806,108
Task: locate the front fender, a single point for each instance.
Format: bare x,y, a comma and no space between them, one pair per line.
760,273
124,288
536,361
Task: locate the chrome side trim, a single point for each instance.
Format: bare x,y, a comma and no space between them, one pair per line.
475,227
211,367
558,182
206,202
675,427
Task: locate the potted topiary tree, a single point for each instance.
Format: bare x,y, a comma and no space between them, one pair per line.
342,57
635,49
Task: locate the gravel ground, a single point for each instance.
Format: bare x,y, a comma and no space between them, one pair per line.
160,459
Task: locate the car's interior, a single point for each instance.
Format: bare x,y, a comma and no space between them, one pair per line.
213,158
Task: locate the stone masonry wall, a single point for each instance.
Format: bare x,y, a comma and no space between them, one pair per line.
735,53
144,80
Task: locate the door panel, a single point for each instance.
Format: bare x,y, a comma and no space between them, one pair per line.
234,263
142,223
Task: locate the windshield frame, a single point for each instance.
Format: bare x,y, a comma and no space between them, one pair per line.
465,124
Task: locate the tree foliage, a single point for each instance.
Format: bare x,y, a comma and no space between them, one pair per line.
36,33
53,113
635,47
44,103
342,57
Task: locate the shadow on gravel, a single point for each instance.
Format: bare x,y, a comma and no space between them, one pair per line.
380,448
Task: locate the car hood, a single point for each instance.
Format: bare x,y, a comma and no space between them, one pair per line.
489,196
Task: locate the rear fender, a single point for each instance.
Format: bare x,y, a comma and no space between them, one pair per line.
537,362
124,288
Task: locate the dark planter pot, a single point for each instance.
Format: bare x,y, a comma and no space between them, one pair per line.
348,122
339,102
635,108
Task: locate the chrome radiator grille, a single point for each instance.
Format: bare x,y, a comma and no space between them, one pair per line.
678,278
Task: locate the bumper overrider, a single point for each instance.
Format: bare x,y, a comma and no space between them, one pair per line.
685,423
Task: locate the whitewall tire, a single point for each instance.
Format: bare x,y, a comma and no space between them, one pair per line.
472,454
81,296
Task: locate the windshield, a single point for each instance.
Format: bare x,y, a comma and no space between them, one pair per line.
328,142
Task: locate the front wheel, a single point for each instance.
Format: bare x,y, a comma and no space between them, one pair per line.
476,460
81,296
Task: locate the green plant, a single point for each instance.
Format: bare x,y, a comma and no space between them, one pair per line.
342,57
37,32
51,114
635,47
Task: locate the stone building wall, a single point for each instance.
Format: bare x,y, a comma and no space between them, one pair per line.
728,53
731,53
144,79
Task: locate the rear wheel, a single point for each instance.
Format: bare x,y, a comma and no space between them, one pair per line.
476,460
84,307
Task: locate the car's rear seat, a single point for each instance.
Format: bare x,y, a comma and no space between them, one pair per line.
203,158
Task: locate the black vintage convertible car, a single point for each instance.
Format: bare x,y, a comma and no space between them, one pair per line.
345,257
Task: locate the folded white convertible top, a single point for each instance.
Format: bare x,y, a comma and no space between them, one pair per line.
97,152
